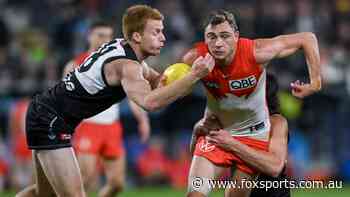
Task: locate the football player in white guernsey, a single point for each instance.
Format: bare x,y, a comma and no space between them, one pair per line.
240,68
271,164
100,137
107,76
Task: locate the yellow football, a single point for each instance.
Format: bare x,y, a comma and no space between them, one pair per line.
175,72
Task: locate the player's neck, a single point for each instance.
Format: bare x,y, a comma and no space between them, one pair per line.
92,49
137,49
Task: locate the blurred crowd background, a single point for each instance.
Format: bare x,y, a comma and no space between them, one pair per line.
37,38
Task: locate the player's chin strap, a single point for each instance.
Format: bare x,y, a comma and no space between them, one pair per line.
199,184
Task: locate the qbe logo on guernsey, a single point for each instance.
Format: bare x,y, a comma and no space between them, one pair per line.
244,83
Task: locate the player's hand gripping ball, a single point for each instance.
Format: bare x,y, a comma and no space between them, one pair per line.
175,72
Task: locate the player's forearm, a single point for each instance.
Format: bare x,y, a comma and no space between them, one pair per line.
312,55
193,143
198,126
163,96
139,113
265,162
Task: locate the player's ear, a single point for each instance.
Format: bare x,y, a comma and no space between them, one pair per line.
89,36
236,36
136,36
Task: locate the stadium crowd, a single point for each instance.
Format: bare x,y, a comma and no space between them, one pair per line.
38,37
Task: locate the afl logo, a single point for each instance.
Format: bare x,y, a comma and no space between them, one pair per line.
241,84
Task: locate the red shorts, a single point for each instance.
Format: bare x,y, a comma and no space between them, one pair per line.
20,147
99,139
224,158
3,168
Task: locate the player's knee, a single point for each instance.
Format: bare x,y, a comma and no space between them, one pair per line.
195,194
28,191
87,182
198,187
75,190
117,184
33,190
88,178
72,193
232,192
46,192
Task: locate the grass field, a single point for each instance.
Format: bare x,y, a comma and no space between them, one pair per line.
155,192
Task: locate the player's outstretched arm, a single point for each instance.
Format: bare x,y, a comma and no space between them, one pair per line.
271,162
141,116
139,89
285,45
69,67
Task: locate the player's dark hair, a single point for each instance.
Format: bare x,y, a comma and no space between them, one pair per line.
100,23
220,16
271,94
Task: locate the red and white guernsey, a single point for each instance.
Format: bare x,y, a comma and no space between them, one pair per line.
236,93
108,116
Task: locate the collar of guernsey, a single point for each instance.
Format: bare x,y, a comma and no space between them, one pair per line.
260,127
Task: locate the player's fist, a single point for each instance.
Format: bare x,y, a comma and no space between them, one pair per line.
202,66
301,90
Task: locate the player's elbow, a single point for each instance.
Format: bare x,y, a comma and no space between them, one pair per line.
151,105
309,36
276,169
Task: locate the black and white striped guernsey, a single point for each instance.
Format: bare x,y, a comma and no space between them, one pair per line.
85,92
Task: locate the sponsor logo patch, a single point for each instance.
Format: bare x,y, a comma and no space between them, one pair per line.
241,84
65,136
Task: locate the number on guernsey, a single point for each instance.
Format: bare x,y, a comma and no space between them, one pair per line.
86,65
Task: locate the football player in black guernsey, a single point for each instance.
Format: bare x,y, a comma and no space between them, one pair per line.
115,71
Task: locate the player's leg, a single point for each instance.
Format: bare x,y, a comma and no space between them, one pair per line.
61,169
115,174
47,134
41,187
244,173
243,189
87,143
201,171
89,172
21,173
113,154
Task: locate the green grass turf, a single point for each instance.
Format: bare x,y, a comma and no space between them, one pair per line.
168,192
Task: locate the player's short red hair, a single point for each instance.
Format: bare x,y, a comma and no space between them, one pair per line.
135,18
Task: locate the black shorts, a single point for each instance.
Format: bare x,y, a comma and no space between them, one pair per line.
45,129
271,192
